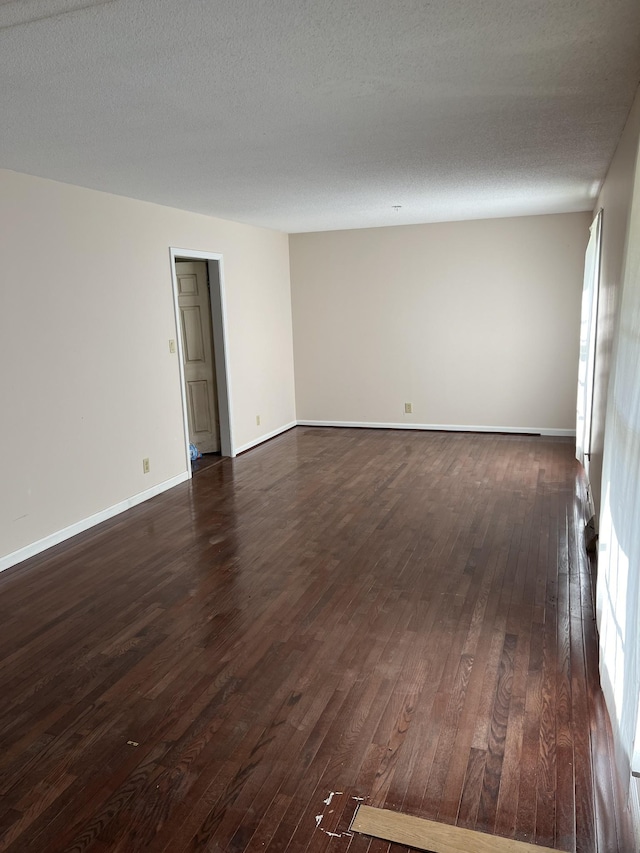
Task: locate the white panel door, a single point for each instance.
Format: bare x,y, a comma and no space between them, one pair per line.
199,364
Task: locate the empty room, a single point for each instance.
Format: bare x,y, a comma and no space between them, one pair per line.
324,535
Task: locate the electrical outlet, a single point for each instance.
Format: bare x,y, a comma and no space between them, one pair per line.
408,408
257,420
145,466
172,345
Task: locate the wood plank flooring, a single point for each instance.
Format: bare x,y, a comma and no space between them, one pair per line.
433,836
401,619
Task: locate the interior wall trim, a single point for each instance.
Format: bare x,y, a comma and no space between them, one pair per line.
84,524
266,437
557,431
634,805
58,536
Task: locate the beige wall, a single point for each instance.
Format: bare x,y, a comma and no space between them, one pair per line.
89,387
615,201
475,323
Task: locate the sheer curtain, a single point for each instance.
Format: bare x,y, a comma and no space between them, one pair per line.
618,584
586,364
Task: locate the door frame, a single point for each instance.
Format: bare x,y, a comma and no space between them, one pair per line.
589,315
220,349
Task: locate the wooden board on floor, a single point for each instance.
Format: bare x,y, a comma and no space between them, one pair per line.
432,836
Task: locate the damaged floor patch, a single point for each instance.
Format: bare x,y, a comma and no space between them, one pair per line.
336,814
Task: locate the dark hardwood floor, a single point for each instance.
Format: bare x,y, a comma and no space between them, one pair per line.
339,616
204,462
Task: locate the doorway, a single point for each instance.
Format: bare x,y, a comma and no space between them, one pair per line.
198,358
200,323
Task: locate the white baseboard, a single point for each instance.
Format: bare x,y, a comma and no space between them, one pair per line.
634,805
265,437
84,524
445,427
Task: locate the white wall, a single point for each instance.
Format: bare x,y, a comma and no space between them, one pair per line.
615,201
475,323
618,489
88,386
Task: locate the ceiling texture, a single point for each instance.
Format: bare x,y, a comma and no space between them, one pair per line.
307,115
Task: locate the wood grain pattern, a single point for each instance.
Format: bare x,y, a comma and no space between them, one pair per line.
435,837
399,619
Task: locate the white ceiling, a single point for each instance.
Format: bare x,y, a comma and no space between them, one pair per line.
307,115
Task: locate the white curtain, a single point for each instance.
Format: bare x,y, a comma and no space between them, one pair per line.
618,584
588,323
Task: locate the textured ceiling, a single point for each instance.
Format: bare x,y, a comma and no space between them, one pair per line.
304,115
